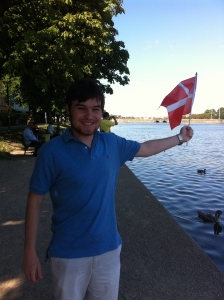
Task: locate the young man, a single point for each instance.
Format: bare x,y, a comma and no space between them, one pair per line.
85,247
106,123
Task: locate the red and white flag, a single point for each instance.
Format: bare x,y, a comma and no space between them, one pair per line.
180,101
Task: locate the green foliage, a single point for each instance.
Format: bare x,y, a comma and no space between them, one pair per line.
209,114
10,89
4,150
50,43
4,120
15,119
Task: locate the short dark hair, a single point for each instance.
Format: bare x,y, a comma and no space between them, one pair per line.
83,90
105,114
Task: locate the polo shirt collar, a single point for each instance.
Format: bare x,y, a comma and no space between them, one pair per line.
67,135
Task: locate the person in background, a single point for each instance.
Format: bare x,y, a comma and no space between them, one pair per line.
51,130
30,139
106,123
35,129
58,128
80,170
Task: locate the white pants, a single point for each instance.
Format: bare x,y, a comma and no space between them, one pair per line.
95,277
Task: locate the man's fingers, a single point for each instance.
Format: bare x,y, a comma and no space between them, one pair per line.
34,274
31,275
39,273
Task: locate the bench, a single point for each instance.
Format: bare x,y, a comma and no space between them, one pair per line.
26,148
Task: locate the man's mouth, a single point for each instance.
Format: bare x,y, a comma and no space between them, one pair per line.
88,123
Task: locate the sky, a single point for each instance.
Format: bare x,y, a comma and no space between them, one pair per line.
169,41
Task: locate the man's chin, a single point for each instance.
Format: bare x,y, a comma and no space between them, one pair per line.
86,132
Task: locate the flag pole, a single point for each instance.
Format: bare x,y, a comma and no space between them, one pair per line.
195,83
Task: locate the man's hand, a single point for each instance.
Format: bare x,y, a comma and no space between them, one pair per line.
186,133
31,267
115,120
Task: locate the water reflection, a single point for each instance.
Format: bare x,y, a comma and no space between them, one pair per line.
217,228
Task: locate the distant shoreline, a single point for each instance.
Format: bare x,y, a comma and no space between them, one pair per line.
185,121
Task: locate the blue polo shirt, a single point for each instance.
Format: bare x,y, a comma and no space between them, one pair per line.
82,183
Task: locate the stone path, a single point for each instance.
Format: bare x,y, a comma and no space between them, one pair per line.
159,260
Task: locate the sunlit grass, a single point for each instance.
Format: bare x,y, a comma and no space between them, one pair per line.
4,149
8,140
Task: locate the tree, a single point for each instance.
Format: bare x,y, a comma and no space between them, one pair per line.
210,113
220,112
50,43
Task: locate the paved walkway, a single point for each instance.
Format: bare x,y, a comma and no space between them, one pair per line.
159,260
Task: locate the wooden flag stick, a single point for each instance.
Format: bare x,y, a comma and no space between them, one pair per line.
195,82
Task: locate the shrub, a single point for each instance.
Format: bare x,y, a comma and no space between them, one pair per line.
15,118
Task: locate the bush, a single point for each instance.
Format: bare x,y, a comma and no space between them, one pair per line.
39,117
15,119
4,119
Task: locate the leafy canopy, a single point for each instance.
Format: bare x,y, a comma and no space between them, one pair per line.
50,43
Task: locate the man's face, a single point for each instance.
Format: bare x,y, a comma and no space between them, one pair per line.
85,117
30,125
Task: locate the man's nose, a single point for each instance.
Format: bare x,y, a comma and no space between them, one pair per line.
88,114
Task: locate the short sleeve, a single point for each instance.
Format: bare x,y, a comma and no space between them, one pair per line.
127,149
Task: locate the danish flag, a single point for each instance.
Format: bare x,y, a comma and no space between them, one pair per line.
179,102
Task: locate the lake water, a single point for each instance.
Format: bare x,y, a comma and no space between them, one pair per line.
172,178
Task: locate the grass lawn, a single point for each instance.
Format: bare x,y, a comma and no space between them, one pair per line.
9,140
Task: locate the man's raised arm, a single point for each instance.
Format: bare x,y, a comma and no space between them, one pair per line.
153,147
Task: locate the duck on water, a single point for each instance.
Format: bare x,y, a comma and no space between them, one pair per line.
209,217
